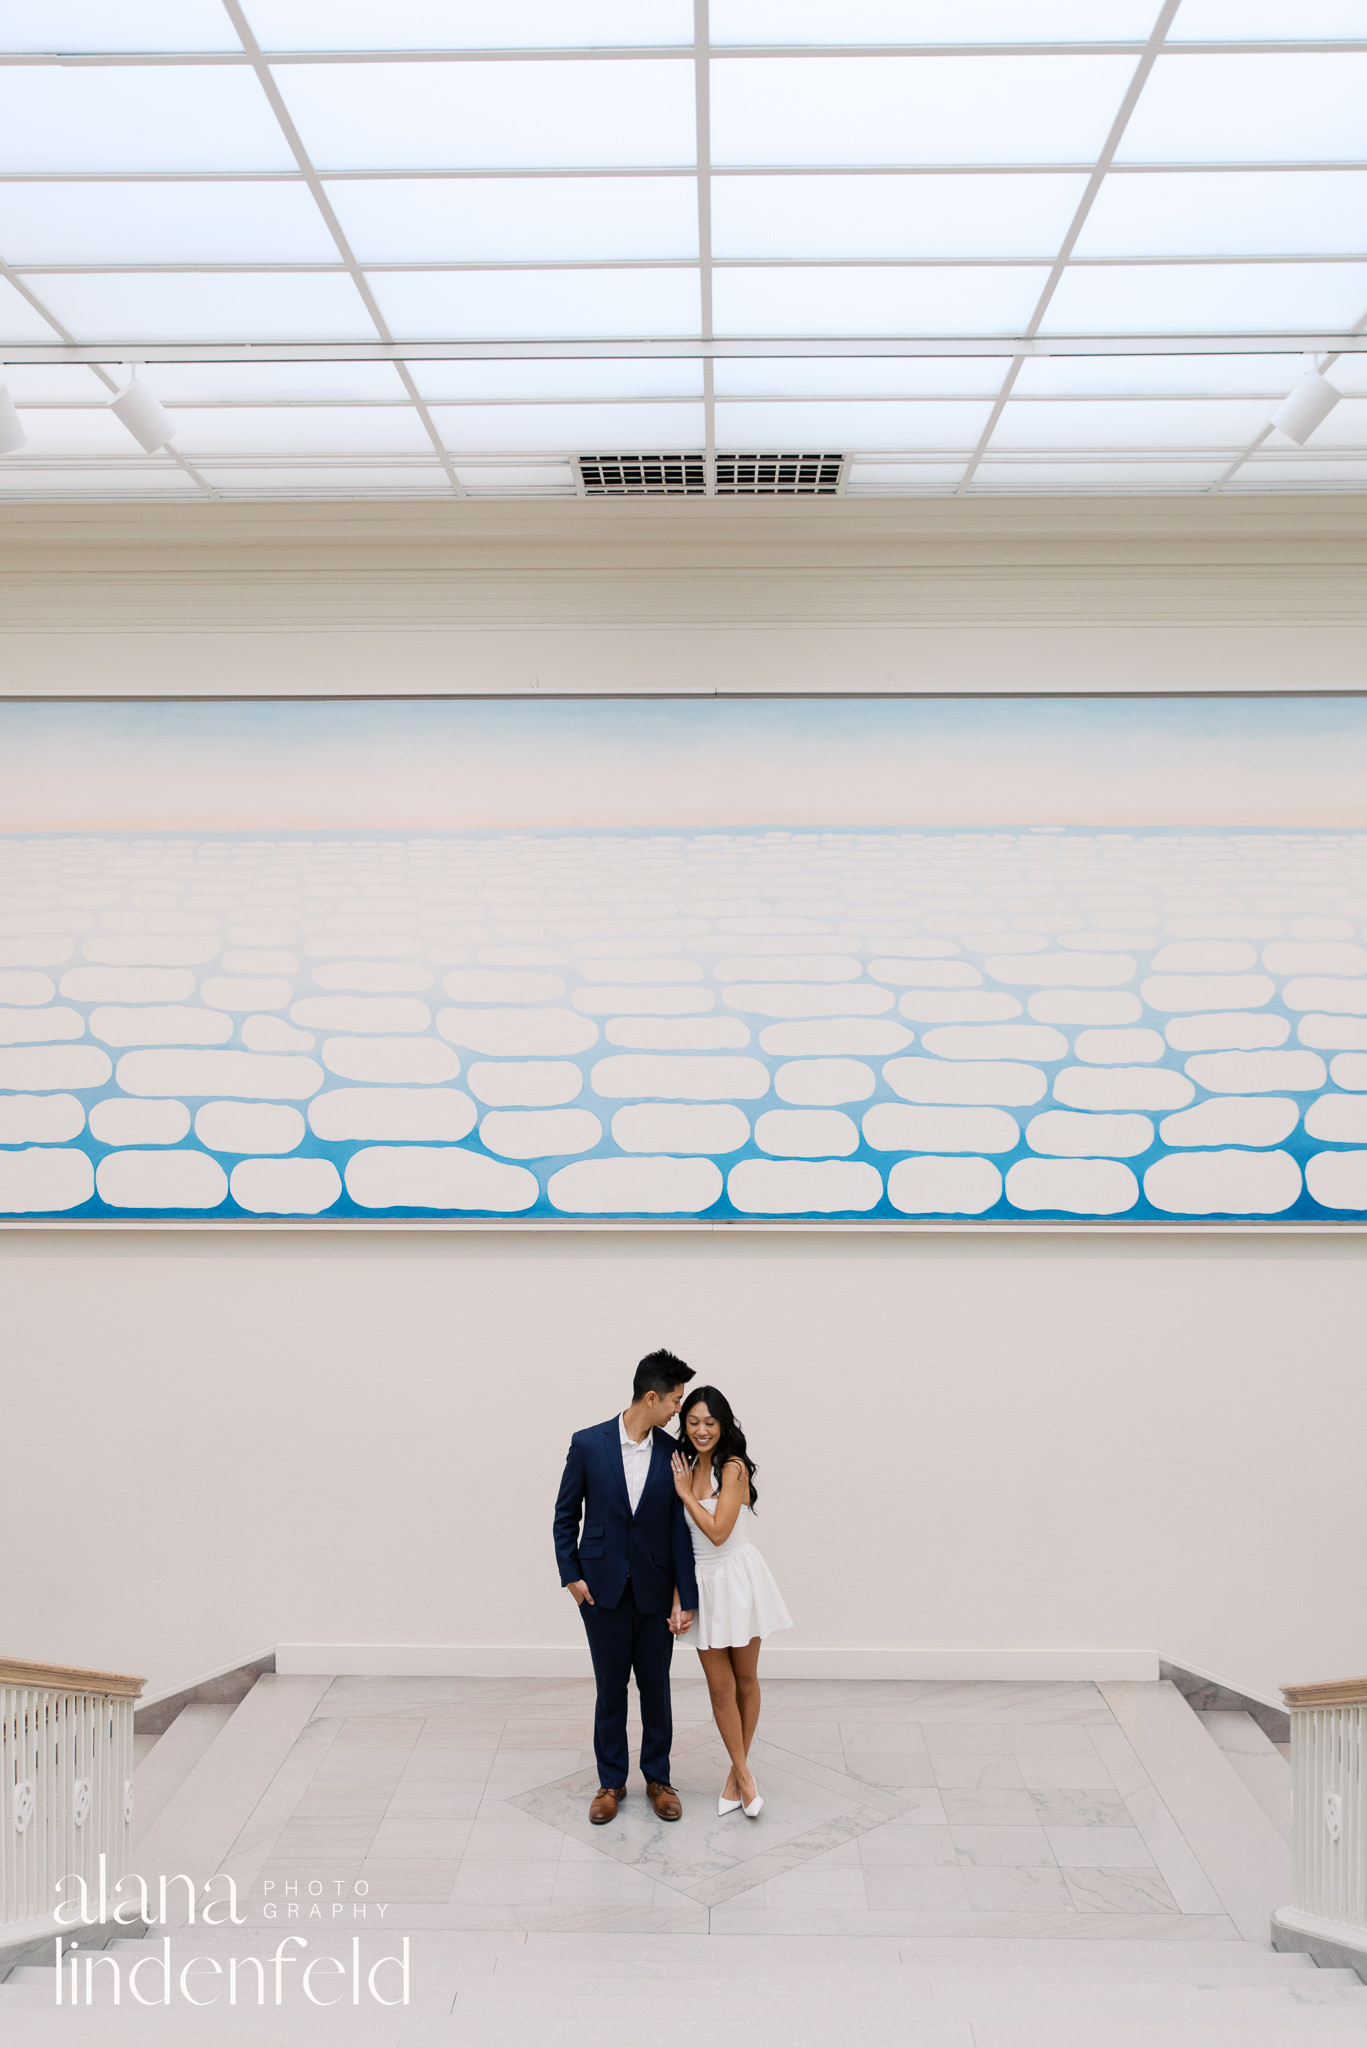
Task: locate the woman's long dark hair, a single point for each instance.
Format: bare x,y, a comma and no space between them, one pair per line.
731,1442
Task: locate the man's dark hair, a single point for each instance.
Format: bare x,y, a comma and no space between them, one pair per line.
659,1373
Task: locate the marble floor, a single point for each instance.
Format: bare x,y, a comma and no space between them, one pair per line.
891,1809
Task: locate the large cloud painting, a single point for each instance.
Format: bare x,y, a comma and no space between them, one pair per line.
895,960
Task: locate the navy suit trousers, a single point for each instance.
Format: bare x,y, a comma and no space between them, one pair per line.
623,1641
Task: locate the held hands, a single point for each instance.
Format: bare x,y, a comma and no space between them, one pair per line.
680,1618
580,1592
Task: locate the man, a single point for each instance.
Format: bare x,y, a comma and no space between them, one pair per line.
627,1570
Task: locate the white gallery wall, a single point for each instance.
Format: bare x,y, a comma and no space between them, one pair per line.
1004,1450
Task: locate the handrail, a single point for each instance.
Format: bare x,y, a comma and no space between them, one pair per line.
69,1678
1331,1692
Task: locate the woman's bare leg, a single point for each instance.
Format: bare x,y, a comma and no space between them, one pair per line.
721,1686
745,1665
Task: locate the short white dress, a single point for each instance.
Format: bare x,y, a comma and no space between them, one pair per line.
738,1598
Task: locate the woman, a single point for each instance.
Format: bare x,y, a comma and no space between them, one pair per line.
738,1602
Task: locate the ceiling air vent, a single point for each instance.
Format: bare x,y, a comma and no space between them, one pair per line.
642,476
779,476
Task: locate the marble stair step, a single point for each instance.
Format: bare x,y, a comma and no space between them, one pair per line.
171,1759
1259,1762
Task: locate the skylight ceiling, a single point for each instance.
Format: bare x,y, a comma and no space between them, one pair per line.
395,248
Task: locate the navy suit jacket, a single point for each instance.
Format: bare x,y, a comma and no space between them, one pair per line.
654,1545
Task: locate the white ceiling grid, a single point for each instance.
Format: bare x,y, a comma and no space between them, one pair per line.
436,247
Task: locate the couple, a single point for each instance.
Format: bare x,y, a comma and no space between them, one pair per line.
665,1539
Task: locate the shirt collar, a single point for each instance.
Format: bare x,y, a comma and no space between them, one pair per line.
629,1443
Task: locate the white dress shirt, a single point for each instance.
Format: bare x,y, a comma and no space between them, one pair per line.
635,1462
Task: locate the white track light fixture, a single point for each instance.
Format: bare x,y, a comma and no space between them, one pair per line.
145,417
12,435
1308,407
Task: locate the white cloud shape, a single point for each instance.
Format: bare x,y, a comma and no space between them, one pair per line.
44,1180
926,973
969,1081
1226,1030
1256,1073
874,1038
368,946
1332,1034
682,1034
1122,1088
693,1080
145,950
127,985
1206,956
255,960
1079,1187
437,1177
26,989
40,1027
644,1002
1064,970
995,1042
248,1127
803,1187
1349,1070
540,1133
1084,1006
807,999
490,985
799,967
807,1133
39,1119
1223,1183
125,1120
285,1187
898,1127
363,977
35,952
680,1127
273,1034
44,1067
161,1180
972,1006
266,1077
159,1024
1232,1120
950,1187
1320,992
362,1013
531,1084
246,992
824,1081
1288,957
1118,1048
415,1060
1340,1118
392,1113
635,1187
1206,991
518,1033
1338,1180
1071,1135
1225,927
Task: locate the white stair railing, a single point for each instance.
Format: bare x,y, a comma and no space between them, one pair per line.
66,1788
1328,1910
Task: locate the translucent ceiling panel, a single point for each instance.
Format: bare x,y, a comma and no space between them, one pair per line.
302,430
859,376
18,321
543,479
1147,424
108,221
177,384
931,21
53,384
914,110
1084,478
124,25
908,217
1250,109
469,24
153,306
511,220
553,429
955,423
1248,21
79,432
532,115
1349,373
64,480
901,479
533,305
1299,476
289,480
564,378
812,301
1160,376
1228,213
1229,298
164,117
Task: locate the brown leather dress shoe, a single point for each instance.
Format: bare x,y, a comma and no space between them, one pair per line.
665,1800
604,1804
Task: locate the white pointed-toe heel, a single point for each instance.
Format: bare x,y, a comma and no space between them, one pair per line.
754,1809
725,1805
